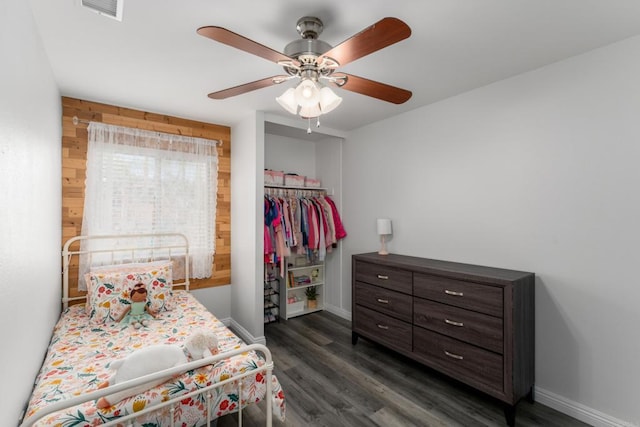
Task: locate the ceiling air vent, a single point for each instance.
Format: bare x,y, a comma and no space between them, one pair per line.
110,8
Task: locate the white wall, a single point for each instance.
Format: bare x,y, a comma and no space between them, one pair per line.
216,300
290,155
247,180
537,173
329,167
30,216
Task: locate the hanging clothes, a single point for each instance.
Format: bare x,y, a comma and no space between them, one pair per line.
340,232
305,224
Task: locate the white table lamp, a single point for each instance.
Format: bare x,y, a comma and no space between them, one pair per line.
384,229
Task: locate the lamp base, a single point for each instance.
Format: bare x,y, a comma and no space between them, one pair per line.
383,246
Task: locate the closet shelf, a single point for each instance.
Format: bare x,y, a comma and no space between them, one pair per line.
303,267
306,285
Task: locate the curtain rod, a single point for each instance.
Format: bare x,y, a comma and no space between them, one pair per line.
75,120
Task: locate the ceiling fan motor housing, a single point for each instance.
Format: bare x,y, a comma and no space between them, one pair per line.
309,27
300,47
307,49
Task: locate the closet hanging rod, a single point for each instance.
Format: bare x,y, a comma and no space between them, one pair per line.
274,190
284,187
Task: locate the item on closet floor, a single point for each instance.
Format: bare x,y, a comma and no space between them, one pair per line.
272,177
271,294
311,182
294,180
295,306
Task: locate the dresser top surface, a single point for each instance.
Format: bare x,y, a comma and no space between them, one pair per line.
440,267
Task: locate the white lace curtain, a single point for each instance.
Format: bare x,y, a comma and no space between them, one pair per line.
140,181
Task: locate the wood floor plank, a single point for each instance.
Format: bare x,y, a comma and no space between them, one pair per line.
330,382
390,417
356,387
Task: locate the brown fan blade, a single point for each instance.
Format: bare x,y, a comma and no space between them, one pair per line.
374,89
247,87
232,39
383,33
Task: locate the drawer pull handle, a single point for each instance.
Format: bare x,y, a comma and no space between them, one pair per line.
453,356
383,277
383,301
454,293
453,322
385,327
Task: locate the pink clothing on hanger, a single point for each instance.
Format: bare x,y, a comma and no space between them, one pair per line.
341,233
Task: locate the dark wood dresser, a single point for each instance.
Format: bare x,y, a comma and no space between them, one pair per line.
470,322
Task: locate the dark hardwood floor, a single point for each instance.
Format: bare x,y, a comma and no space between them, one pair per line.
330,382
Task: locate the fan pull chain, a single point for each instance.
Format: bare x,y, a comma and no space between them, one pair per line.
318,121
309,125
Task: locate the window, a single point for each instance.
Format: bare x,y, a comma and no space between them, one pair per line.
149,182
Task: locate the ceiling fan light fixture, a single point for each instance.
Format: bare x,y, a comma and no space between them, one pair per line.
328,100
310,111
309,99
307,93
288,101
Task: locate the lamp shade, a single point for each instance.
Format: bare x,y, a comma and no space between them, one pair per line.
310,111
328,100
288,101
307,93
384,226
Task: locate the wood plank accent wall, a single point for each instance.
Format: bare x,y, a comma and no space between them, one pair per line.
74,158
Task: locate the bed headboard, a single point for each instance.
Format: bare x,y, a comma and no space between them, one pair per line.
121,249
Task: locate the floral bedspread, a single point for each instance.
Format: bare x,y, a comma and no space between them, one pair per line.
79,356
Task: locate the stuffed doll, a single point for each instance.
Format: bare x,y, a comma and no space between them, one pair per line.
141,362
138,312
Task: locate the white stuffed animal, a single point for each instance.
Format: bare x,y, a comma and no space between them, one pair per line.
147,360
141,362
201,344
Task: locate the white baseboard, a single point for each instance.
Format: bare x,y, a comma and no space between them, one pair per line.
338,311
239,330
577,410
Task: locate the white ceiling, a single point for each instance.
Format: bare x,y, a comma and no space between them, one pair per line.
154,61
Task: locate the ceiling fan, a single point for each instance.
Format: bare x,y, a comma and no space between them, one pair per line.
315,63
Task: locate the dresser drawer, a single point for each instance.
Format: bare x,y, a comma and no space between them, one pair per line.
393,303
460,360
469,326
385,329
473,296
387,277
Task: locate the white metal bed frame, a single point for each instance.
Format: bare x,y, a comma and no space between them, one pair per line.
181,249
180,246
